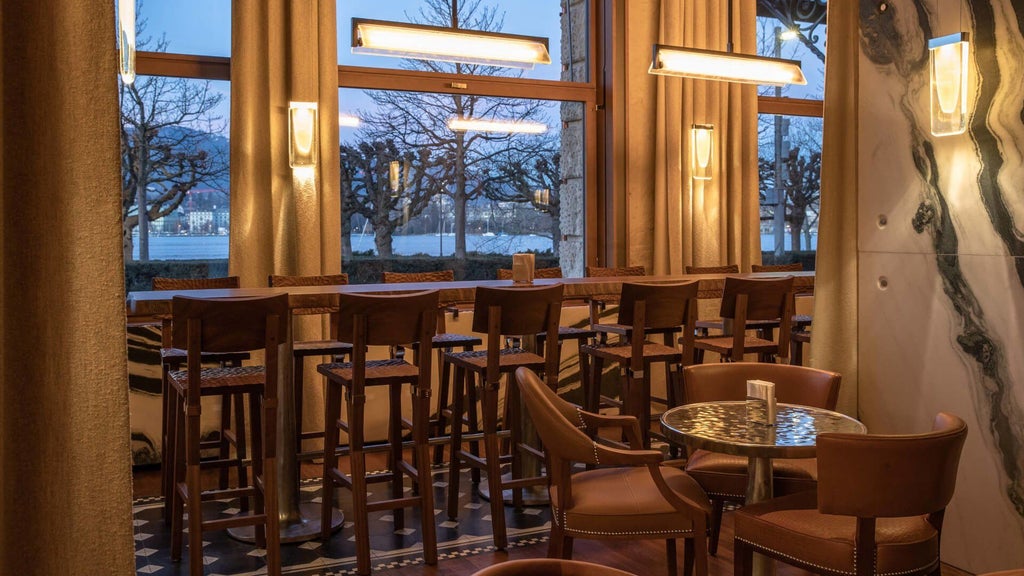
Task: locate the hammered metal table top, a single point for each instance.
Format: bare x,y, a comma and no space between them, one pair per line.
724,427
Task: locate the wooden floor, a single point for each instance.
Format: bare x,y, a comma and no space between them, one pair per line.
643,557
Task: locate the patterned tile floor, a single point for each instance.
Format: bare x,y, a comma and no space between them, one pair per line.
389,547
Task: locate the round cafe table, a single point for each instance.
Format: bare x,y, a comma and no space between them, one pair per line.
724,427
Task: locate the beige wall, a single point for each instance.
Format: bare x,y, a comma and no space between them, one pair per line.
65,476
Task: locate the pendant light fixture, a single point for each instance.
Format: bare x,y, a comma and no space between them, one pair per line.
948,59
497,126
126,39
725,66
383,38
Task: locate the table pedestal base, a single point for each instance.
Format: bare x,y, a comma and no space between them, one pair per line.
759,488
302,529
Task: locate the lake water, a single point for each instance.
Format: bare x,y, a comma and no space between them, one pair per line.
216,247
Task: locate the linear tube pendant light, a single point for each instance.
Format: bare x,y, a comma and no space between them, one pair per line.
948,62
383,38
501,126
725,66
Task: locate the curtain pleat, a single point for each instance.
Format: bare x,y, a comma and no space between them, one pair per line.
284,221
834,345
672,220
65,457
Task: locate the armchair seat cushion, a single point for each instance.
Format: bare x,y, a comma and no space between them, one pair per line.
626,503
792,526
725,475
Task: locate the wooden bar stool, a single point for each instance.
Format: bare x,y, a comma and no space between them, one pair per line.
381,321
704,327
747,299
520,312
227,325
311,348
645,309
600,302
443,341
171,359
582,336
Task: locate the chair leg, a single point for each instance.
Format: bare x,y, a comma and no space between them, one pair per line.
298,384
270,501
717,506
567,547
357,459
259,450
240,448
195,500
395,452
455,459
473,418
177,514
670,555
489,406
743,558
167,439
332,406
420,419
688,556
444,372
513,410
555,540
225,444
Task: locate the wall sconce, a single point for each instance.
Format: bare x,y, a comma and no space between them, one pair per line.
702,146
126,39
948,61
542,197
302,134
383,38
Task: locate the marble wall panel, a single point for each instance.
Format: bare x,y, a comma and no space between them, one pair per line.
941,290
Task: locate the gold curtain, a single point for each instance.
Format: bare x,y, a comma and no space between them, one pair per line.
282,51
65,458
284,222
672,220
835,283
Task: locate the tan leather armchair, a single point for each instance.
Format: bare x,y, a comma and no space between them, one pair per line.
878,508
634,497
724,476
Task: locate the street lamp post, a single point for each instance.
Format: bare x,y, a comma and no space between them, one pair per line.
781,151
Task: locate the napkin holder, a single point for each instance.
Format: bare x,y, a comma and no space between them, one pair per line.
761,402
522,268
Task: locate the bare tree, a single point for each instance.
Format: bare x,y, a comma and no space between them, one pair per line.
169,133
534,175
466,170
385,185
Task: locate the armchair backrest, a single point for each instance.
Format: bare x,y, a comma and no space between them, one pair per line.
884,476
793,384
557,421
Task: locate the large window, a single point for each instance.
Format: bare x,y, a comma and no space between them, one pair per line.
417,188
790,130
174,143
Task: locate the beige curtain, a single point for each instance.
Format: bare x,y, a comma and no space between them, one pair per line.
284,222
673,220
65,460
835,284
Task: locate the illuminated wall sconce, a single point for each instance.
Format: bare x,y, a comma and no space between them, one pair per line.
302,133
383,38
948,61
542,197
702,146
126,39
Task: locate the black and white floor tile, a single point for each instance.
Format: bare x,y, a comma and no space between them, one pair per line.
390,547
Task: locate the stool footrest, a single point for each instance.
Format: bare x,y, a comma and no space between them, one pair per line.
235,521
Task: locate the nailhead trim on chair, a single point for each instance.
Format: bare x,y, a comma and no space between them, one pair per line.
597,459
833,570
583,423
561,514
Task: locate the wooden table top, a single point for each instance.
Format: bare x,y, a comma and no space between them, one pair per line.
148,304
724,427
